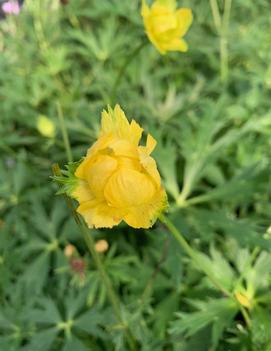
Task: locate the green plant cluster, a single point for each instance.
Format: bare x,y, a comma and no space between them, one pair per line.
209,109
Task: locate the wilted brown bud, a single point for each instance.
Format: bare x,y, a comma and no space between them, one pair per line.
78,265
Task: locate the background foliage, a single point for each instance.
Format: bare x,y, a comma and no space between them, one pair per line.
213,152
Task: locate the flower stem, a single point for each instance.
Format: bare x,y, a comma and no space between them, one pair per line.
123,68
246,316
224,60
97,260
193,255
222,26
64,132
216,14
191,252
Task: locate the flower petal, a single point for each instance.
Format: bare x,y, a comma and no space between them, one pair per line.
163,19
99,214
145,10
121,147
145,216
82,192
97,172
185,18
149,165
151,143
176,45
128,187
114,122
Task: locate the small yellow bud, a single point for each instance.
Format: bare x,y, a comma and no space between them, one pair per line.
46,127
69,250
243,299
101,246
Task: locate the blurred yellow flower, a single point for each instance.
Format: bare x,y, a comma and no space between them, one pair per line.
243,299
118,179
165,25
46,127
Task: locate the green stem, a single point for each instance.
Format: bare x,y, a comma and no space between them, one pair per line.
246,316
222,26
190,252
248,266
216,14
193,255
38,27
224,60
97,260
123,68
195,200
150,282
64,132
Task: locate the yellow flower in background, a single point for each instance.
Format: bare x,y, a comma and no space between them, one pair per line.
118,179
46,127
244,299
165,25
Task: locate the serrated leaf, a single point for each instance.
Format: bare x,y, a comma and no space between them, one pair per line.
219,313
167,156
43,340
74,344
46,313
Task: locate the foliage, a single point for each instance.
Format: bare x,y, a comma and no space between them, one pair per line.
213,130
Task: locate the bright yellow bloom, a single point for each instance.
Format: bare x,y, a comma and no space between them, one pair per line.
46,127
165,25
118,179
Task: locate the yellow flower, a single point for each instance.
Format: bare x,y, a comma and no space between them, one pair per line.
165,25
244,299
46,127
118,179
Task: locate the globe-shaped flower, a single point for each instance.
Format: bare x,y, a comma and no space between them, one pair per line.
118,179
165,25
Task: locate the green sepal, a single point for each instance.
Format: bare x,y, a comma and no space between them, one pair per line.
66,178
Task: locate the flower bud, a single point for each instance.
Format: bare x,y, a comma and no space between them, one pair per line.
46,127
69,250
101,246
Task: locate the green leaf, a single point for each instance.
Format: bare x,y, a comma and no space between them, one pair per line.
216,267
90,322
261,325
219,313
74,344
43,340
167,156
39,267
241,187
46,313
